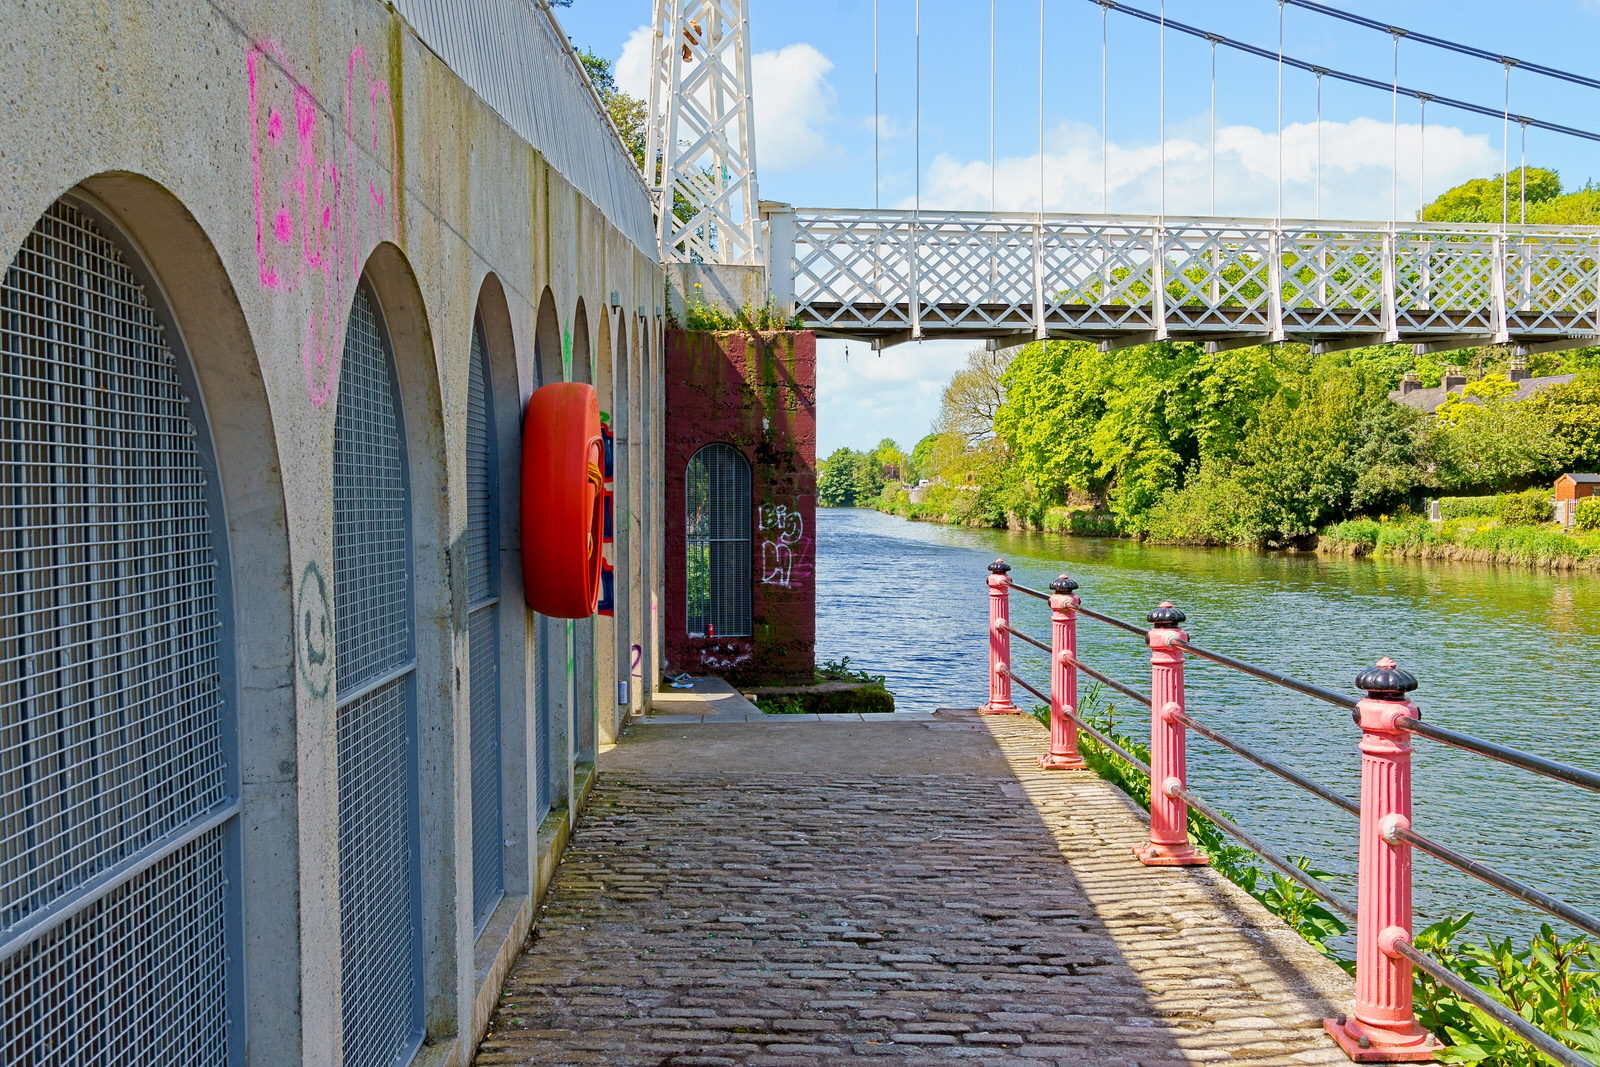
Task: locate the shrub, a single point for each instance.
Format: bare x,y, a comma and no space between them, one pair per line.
1531,508
1588,517
1355,532
1468,507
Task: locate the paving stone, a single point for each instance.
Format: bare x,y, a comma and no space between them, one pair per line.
730,917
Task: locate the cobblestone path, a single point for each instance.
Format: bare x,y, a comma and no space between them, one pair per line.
820,894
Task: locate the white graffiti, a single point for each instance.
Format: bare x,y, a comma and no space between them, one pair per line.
785,548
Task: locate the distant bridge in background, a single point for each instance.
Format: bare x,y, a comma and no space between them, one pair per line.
894,276
889,276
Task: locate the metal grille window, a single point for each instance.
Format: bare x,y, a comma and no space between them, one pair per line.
379,872
113,778
483,630
718,543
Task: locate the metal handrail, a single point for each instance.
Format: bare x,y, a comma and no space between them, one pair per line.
1266,675
1493,1008
1334,901
1561,772
1112,620
1503,882
1281,771
1025,589
1094,732
1034,641
1106,679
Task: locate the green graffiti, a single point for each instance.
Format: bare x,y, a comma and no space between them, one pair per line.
566,355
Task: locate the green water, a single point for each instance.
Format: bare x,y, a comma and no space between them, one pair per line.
1506,654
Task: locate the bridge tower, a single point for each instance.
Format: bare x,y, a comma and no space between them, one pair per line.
702,151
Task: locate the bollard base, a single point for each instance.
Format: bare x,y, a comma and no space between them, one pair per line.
999,709
1413,1045
1052,762
1153,855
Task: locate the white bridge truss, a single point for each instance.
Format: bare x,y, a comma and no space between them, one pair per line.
893,276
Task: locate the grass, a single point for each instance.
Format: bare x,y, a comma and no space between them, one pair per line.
1484,539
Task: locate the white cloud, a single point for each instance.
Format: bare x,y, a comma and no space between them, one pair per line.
1356,168
632,68
867,396
793,107
793,99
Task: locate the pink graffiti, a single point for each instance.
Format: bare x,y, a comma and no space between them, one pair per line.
785,550
312,231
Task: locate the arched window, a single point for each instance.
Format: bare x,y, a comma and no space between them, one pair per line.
483,629
718,543
118,797
375,663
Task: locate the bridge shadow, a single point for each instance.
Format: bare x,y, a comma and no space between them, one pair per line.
818,893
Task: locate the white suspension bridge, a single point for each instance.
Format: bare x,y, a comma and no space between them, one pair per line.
889,276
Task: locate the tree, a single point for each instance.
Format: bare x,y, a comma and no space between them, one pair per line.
1572,414
627,113
974,394
836,479
924,457
1490,199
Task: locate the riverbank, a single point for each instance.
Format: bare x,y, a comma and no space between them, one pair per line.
1481,539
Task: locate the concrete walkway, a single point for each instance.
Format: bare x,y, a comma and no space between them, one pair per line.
821,893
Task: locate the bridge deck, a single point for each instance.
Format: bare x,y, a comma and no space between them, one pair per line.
816,893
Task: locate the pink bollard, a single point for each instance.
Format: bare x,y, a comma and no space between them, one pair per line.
1383,1028
1063,754
999,641
1169,813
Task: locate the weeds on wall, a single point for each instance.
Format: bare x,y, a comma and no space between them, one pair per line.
838,670
1553,984
700,317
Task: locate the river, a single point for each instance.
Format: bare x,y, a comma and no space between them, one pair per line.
1505,654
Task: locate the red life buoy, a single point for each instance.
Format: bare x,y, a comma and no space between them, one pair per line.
563,488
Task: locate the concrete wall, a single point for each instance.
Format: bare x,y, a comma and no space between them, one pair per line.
263,158
757,392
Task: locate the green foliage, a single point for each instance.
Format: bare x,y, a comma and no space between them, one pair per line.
1530,508
710,318
1572,414
1553,984
836,479
781,704
1588,514
1491,199
838,670
1468,507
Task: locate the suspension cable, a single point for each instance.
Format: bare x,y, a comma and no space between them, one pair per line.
991,106
1353,79
1041,107
1524,169
877,115
1422,157
1105,137
1394,158
1505,154
1163,108
1319,141
1213,128
1439,42
1280,106
917,34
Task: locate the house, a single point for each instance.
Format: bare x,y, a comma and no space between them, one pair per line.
1413,394
1570,489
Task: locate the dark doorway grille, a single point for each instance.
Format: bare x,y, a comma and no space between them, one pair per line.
718,543
115,798
379,873
483,630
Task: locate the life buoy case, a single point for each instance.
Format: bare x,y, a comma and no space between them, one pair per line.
563,491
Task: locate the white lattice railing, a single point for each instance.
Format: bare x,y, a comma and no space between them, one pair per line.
897,275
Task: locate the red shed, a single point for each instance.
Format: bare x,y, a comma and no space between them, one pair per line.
1576,486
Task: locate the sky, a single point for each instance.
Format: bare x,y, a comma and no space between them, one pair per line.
815,119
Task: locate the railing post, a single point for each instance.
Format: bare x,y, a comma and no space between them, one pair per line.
999,641
1383,1028
1063,754
1169,813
